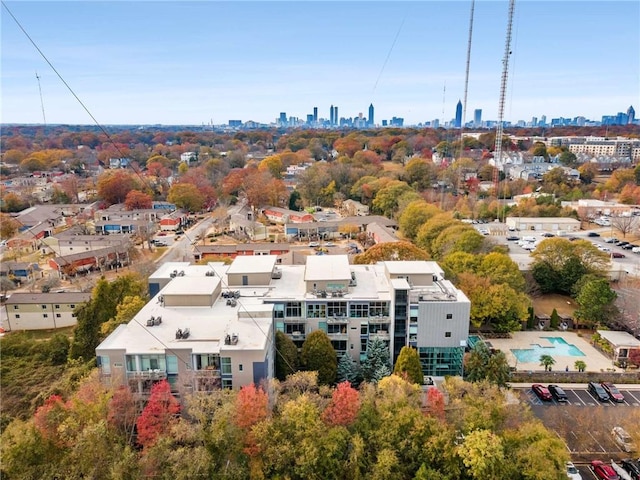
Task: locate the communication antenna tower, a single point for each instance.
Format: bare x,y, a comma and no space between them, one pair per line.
466,89
503,90
44,119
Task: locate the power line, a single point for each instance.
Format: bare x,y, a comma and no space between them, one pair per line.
44,119
393,44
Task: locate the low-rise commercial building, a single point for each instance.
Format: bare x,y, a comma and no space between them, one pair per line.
42,311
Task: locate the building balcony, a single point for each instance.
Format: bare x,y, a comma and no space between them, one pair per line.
382,335
338,336
338,320
379,319
207,373
147,375
297,335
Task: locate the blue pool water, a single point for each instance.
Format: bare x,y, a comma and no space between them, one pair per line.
559,347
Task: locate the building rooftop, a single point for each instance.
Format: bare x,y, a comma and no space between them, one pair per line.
252,264
38,298
327,267
619,339
420,267
183,285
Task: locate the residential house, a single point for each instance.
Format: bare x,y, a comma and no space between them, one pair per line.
283,215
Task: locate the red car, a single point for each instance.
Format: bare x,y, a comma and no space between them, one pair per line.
542,392
604,471
613,392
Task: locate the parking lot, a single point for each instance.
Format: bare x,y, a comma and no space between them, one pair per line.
585,424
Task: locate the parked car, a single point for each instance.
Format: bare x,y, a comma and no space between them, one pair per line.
593,234
573,239
623,439
512,238
314,245
632,467
629,246
611,240
572,472
548,234
558,393
618,255
603,471
598,392
541,392
613,392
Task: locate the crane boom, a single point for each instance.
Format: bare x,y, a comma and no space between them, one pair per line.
503,90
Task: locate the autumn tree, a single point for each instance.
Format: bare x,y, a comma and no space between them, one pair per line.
435,402
482,365
483,453
114,185
408,365
251,406
136,199
391,251
186,196
415,215
123,412
625,224
344,406
286,356
8,226
319,355
387,199
595,300
158,415
125,311
105,299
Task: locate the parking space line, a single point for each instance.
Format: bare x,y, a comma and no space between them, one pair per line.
594,438
631,394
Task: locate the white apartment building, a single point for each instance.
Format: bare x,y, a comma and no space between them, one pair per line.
42,311
231,314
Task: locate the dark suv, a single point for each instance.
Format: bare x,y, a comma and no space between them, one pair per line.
558,393
597,391
632,467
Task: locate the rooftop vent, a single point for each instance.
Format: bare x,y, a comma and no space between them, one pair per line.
231,339
182,334
210,274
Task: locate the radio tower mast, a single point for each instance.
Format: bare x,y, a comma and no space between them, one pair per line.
44,119
503,90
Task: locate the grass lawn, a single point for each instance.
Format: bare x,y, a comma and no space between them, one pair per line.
544,305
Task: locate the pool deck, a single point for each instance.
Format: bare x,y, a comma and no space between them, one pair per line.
596,361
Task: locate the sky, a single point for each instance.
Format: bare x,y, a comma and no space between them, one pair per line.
193,63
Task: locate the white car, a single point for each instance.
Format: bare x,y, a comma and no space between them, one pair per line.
572,472
623,439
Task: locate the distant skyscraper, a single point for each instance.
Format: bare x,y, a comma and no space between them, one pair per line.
315,114
477,117
370,119
631,114
283,118
459,114
331,115
335,115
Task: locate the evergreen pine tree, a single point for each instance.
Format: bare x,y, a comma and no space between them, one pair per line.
286,356
377,364
347,370
555,319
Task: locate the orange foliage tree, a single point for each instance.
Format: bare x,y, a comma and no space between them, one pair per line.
435,403
344,406
136,199
251,406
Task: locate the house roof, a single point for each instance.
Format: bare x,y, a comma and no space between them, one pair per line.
45,298
619,339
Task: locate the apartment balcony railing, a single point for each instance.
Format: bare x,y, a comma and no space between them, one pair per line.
338,319
207,373
338,335
382,335
297,335
147,375
379,319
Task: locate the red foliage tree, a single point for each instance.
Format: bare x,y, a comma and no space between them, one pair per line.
122,410
158,415
49,417
136,199
251,406
435,403
344,406
634,356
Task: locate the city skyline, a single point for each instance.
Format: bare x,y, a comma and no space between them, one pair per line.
185,65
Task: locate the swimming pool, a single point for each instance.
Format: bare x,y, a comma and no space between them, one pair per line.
559,347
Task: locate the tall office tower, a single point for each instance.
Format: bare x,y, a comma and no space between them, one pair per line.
283,118
335,115
543,121
477,117
534,121
631,115
370,119
458,114
331,118
315,114
309,119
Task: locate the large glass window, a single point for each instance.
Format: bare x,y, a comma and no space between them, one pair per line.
278,310
131,363
359,310
333,329
293,309
172,364
379,309
297,328
105,364
340,346
227,383
153,362
316,310
337,309
207,361
225,363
